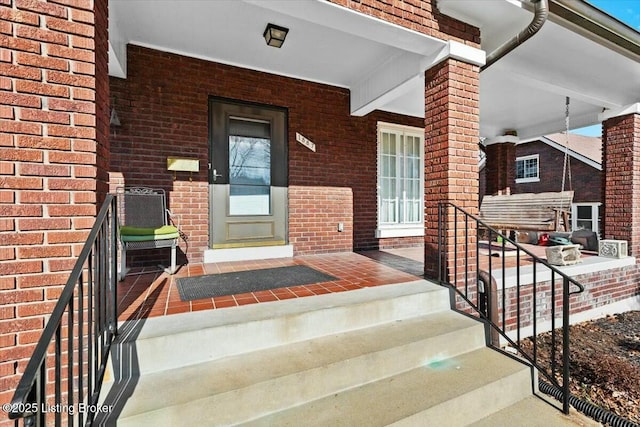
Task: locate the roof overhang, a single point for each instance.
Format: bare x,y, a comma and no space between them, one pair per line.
594,61
580,52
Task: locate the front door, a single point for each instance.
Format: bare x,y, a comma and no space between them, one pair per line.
247,175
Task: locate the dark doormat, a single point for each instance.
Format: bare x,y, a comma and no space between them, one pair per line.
240,282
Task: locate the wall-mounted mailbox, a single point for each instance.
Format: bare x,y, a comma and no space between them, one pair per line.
182,164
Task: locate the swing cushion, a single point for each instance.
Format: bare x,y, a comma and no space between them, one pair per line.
558,241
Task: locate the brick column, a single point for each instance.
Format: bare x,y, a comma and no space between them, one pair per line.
500,167
621,164
451,150
50,106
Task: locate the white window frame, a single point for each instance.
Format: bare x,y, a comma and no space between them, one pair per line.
400,229
532,178
595,218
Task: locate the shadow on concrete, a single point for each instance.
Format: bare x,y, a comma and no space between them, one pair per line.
124,362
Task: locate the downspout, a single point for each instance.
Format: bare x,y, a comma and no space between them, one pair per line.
541,11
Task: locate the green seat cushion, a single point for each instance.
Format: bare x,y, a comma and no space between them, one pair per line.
142,231
148,238
142,234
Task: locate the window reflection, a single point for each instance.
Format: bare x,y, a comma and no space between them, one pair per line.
249,168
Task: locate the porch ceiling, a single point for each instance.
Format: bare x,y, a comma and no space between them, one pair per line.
383,64
326,43
526,89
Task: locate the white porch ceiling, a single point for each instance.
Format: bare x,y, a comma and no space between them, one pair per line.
526,89
383,64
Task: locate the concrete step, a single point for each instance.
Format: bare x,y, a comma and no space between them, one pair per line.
170,342
456,392
389,355
243,387
535,411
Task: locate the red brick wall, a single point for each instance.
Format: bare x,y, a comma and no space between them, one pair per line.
586,180
314,216
420,15
48,137
102,115
451,149
621,162
164,113
401,242
500,168
601,288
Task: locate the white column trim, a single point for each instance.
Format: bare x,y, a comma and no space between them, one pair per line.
466,53
397,73
502,140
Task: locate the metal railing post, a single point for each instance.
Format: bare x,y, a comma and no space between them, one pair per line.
485,306
114,264
566,357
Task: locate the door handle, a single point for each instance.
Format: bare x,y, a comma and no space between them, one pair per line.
216,175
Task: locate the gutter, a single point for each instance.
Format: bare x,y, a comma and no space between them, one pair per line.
597,25
541,12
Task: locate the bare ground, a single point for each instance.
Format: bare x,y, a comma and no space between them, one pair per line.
605,362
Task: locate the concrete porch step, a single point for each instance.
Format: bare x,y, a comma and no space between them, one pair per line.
240,388
455,392
170,342
389,355
535,412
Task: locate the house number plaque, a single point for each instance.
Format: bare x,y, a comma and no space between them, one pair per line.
304,141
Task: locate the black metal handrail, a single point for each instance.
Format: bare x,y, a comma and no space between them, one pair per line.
63,378
507,309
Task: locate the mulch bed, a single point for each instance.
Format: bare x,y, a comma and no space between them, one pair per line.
605,362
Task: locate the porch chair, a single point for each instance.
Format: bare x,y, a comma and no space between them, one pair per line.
145,223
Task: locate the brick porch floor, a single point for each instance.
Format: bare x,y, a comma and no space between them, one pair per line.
155,294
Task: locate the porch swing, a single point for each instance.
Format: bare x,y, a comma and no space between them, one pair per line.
549,211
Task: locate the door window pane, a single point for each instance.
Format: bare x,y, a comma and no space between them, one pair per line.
249,168
249,200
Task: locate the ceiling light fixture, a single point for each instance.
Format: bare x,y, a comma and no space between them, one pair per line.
274,35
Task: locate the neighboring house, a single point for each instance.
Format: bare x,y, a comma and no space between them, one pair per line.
539,165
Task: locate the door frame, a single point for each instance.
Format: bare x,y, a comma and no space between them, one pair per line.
279,168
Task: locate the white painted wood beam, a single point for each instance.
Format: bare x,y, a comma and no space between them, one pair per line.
392,78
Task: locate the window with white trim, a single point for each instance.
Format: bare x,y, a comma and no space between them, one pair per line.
585,216
400,181
528,169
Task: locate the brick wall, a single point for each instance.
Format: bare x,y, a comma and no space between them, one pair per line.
601,288
102,116
451,149
621,162
499,168
315,213
420,15
400,242
164,113
586,180
48,153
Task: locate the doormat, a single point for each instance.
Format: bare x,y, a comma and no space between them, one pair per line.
240,282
